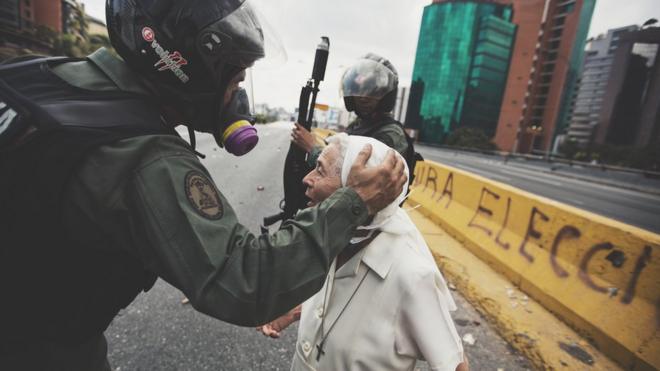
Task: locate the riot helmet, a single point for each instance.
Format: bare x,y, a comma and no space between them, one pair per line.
190,51
369,86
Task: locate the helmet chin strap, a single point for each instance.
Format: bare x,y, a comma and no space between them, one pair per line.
171,116
193,142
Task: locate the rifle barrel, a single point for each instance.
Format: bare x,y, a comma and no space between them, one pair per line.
295,167
321,60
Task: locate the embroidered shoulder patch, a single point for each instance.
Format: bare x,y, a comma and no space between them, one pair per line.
203,196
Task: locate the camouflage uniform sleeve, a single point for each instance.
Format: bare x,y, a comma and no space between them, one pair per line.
195,242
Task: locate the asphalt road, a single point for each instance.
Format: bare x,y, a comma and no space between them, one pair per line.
628,206
157,332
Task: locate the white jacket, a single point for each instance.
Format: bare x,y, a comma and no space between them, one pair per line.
399,313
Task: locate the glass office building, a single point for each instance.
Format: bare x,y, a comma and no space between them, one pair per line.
461,67
575,64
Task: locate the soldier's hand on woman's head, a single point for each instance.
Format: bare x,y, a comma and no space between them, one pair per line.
377,186
303,138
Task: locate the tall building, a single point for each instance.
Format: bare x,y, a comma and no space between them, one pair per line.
594,78
25,25
10,16
460,67
631,105
48,13
547,57
401,103
18,21
58,15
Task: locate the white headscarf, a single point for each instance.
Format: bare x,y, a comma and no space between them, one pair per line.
391,219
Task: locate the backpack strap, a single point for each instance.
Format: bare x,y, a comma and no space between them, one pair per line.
17,113
75,108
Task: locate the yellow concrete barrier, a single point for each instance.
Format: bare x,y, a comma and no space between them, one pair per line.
321,134
600,276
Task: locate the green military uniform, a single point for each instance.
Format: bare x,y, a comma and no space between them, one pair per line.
384,129
150,197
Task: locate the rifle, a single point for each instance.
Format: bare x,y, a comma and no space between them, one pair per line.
295,166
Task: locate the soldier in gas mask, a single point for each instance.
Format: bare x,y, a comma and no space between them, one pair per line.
99,196
368,88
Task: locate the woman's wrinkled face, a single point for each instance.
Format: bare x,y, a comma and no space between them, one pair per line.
325,179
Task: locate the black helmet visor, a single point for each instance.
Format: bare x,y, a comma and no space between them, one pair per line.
237,39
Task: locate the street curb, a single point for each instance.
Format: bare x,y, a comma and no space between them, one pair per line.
526,325
525,165
570,163
557,254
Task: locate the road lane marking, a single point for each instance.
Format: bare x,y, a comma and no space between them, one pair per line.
534,178
572,200
482,173
628,192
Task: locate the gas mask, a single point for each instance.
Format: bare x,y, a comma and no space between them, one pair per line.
236,132
362,106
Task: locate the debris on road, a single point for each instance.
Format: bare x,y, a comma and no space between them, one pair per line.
577,352
461,321
613,291
469,339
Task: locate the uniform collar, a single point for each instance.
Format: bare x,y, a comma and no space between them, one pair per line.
117,71
378,256
379,120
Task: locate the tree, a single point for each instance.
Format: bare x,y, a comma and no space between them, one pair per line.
467,137
569,148
627,156
98,41
76,22
77,42
67,44
646,158
46,34
261,118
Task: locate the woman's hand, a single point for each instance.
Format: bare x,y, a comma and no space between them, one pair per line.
274,328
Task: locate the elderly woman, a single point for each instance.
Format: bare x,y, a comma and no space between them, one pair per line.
384,304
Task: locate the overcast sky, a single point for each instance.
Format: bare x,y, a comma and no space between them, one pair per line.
386,27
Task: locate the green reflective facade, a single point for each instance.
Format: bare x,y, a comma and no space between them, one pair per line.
461,67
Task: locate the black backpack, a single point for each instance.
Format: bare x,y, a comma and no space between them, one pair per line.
410,156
